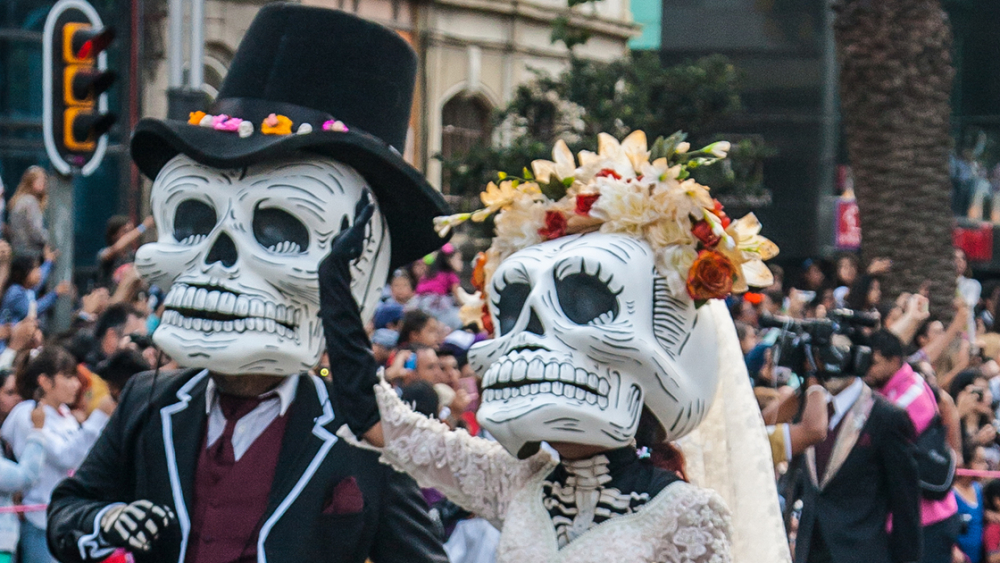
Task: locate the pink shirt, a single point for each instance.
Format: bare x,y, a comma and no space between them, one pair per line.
909,391
440,284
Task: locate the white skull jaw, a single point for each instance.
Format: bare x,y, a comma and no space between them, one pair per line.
587,334
240,252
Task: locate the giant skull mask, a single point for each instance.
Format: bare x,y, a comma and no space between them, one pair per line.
240,251
587,333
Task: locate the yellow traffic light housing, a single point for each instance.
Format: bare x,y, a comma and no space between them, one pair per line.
70,118
72,50
75,76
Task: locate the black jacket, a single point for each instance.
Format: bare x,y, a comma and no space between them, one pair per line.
149,450
871,474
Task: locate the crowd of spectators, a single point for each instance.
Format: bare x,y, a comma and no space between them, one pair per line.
60,378
58,387
957,355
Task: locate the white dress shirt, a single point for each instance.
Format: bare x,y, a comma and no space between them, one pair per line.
843,401
274,403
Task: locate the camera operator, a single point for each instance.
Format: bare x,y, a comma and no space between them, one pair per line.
861,475
788,438
892,377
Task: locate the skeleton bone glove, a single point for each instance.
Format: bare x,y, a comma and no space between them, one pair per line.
347,342
137,525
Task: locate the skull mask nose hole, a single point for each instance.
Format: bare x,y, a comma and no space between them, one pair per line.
224,251
535,324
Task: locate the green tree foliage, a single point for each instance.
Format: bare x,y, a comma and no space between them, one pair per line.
636,92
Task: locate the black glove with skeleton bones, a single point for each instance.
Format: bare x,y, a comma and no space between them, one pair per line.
352,366
136,526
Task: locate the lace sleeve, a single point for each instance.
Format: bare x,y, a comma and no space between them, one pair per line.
703,533
474,473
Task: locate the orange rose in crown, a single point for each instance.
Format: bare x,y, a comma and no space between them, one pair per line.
711,276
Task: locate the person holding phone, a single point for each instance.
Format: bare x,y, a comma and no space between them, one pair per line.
974,400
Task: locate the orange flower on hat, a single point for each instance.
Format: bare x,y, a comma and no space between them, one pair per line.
276,125
195,117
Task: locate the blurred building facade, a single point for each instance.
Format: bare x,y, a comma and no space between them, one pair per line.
473,53
784,50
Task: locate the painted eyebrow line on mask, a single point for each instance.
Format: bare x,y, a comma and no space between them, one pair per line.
569,261
183,179
326,176
298,192
290,203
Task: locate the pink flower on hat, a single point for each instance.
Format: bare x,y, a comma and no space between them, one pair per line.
335,125
226,123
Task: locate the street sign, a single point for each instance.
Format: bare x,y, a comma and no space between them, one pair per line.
75,77
848,224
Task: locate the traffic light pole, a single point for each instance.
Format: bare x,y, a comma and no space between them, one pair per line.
61,231
75,122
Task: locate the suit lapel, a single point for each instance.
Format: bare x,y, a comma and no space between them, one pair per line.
183,433
304,447
299,445
854,420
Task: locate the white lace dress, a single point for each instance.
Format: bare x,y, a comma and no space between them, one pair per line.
682,524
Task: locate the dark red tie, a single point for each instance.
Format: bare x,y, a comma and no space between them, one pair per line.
233,408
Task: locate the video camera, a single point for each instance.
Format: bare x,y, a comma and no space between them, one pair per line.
826,348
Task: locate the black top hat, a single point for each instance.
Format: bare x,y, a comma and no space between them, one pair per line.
315,65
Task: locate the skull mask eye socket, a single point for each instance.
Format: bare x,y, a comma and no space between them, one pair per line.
279,231
193,221
511,301
586,298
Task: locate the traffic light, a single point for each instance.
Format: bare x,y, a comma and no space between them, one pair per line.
76,76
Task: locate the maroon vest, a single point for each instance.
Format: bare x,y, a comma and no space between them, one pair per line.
229,505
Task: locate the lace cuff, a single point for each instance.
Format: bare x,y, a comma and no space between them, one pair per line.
474,473
704,530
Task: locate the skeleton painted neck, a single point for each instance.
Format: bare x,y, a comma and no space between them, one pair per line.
587,333
239,251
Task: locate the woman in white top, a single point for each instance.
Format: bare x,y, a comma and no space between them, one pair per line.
50,377
16,477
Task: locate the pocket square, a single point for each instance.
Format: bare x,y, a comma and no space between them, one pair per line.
346,498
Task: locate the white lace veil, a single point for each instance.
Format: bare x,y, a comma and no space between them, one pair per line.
729,453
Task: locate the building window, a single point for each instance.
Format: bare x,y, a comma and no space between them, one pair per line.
465,121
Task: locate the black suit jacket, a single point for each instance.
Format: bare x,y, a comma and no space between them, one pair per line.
873,476
149,450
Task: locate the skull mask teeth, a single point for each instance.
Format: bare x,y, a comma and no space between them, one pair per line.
240,251
579,351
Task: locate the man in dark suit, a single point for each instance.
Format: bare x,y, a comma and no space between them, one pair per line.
860,476
237,459
329,501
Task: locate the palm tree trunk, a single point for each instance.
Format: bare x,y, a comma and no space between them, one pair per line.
895,85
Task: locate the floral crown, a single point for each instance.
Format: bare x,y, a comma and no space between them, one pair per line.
632,189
